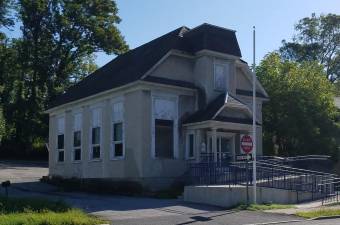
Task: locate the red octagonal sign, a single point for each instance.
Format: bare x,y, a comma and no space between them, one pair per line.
246,144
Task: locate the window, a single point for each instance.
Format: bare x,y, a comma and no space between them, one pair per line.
77,145
117,131
77,136
118,139
219,77
61,140
96,134
164,130
190,145
61,148
164,138
95,142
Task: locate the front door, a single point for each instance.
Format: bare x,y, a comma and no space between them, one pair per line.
223,149
224,146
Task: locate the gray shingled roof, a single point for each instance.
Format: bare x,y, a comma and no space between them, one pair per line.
211,109
131,66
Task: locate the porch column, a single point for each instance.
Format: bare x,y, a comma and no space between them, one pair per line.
214,141
198,141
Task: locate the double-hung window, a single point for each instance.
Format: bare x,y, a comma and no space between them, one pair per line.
220,76
118,130
61,139
77,123
96,133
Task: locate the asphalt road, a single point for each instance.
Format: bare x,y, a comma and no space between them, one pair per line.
122,210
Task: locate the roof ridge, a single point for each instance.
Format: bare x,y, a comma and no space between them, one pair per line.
211,25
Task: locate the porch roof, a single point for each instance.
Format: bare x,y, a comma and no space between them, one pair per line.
215,124
213,110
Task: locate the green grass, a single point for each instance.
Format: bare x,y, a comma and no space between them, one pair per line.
38,211
18,205
70,217
262,207
319,213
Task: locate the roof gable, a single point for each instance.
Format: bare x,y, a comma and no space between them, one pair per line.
224,108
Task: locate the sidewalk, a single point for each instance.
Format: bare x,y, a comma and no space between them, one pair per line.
303,207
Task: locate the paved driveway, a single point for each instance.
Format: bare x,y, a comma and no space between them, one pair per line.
128,210
21,172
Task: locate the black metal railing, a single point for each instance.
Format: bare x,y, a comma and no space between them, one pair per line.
269,174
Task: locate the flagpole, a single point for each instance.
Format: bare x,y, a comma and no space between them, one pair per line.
254,119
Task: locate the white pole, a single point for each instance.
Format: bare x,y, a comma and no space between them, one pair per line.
254,120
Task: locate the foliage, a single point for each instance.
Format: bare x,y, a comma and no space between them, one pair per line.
300,116
71,217
38,211
262,207
20,205
2,125
318,39
5,19
319,213
56,50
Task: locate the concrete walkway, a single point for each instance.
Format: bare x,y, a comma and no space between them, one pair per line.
128,210
303,207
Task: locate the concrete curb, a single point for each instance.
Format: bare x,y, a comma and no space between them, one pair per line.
296,221
276,222
325,217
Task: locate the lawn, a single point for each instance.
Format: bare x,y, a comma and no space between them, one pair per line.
319,213
36,211
262,207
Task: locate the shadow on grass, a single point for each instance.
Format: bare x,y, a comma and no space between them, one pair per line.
19,205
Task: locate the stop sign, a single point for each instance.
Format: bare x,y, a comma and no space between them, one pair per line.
246,143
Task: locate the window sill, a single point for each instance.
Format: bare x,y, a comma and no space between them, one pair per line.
158,158
191,158
77,161
117,158
95,160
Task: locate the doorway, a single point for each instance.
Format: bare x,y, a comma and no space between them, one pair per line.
225,146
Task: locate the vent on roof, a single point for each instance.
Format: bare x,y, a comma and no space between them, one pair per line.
183,30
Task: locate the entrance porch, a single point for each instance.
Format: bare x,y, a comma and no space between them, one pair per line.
213,134
215,141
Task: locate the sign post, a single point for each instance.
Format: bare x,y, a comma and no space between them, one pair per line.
247,148
254,118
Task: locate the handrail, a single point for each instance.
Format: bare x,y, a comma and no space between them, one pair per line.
295,157
290,168
272,172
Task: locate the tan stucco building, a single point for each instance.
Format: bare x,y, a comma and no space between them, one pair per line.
185,96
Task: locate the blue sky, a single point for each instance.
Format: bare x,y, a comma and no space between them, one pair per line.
145,20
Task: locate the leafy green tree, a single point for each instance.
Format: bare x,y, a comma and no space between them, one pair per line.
300,115
59,39
318,39
5,19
